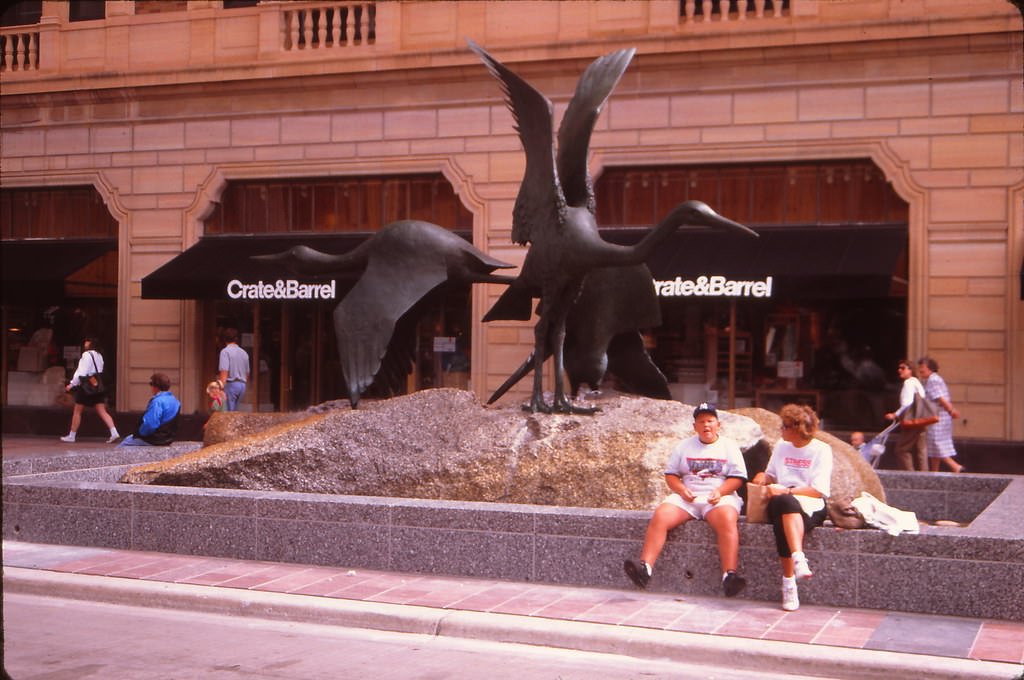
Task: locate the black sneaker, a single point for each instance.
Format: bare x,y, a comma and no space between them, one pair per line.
638,572
733,583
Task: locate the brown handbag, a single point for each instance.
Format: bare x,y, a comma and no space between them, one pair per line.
757,503
921,413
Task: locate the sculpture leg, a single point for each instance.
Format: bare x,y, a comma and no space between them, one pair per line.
563,403
540,333
560,403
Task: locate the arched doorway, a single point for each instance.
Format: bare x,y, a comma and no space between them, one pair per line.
291,341
834,244
59,286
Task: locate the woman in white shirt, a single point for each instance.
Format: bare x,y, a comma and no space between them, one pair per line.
799,479
91,363
906,449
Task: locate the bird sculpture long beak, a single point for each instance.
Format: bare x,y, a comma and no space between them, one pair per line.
712,219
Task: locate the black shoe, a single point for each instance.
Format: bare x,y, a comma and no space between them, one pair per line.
637,572
733,583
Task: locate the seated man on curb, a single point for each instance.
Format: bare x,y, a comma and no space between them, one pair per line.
159,423
703,473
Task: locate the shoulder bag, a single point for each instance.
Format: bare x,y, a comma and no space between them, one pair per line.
92,385
921,413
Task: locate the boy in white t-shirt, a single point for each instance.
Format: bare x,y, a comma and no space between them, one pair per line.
703,473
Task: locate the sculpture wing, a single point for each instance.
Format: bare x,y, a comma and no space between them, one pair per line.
629,361
304,260
365,320
540,203
596,83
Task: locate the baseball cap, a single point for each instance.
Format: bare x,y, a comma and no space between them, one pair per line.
705,407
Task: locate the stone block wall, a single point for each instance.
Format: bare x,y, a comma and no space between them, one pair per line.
942,570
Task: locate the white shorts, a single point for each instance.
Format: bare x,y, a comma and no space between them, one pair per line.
699,508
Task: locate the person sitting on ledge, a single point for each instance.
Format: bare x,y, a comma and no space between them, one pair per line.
703,473
159,423
798,478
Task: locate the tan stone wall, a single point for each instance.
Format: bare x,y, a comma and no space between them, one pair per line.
934,99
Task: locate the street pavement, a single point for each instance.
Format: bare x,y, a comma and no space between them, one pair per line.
58,638
733,633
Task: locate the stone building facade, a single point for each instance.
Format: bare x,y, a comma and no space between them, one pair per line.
160,107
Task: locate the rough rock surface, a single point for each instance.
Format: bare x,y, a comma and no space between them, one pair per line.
224,426
850,472
443,444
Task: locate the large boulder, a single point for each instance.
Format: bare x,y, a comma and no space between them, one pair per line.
443,444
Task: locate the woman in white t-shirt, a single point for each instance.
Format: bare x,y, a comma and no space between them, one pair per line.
907,449
799,477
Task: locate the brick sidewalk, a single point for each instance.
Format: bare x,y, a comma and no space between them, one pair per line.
964,638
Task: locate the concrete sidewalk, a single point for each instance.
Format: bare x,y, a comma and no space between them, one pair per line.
814,640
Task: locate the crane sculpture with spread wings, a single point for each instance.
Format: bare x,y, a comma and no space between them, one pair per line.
395,268
554,214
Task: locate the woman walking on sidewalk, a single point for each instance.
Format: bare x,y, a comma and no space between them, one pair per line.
91,363
939,437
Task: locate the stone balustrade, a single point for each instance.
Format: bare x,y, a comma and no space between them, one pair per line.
730,10
19,49
209,43
326,26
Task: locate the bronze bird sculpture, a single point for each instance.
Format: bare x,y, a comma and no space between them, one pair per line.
396,267
602,334
554,213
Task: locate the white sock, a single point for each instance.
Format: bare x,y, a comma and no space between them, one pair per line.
113,432
790,580
799,556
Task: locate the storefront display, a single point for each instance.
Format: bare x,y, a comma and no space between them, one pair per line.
285,321
59,287
765,322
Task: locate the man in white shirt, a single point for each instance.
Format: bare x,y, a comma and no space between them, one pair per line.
703,473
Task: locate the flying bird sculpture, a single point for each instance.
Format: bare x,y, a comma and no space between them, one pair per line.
396,267
554,214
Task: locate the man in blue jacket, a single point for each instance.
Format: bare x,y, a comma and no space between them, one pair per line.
159,423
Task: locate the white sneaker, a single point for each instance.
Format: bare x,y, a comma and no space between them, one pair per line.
790,599
801,569
114,436
68,438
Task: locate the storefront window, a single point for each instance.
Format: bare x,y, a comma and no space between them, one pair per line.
822,317
59,287
291,343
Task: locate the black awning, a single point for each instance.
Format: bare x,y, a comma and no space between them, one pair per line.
203,271
51,260
805,263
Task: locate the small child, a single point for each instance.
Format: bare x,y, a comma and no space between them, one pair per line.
215,391
857,440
